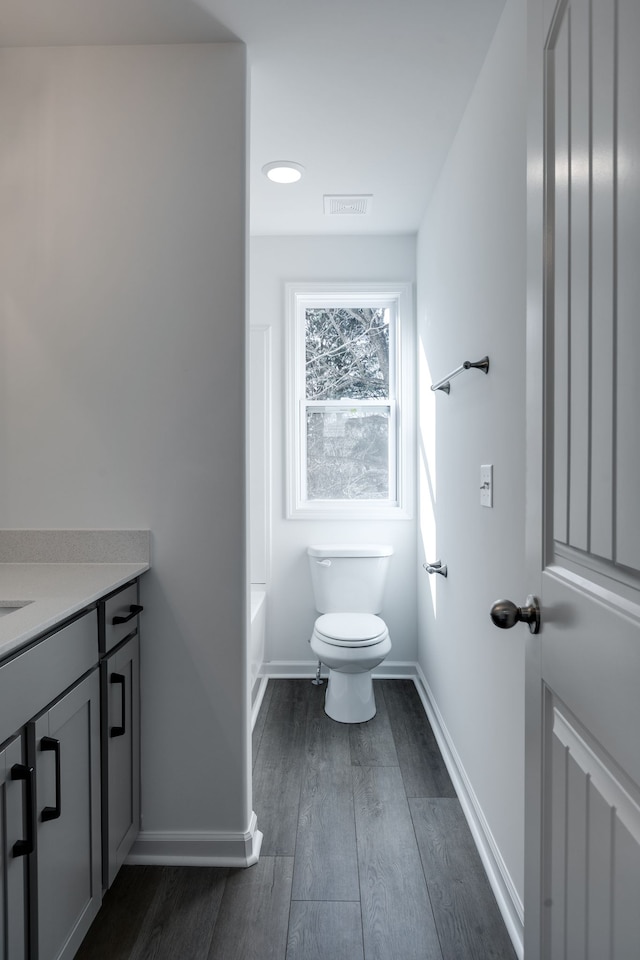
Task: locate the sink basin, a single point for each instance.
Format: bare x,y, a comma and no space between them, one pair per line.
10,606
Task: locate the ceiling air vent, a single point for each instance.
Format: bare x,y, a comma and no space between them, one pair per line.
347,204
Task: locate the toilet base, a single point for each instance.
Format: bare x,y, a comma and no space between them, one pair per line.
349,697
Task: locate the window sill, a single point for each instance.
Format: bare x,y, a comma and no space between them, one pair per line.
333,511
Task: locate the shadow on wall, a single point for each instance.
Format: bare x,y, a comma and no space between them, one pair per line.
427,533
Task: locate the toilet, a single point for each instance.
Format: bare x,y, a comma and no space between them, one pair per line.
348,583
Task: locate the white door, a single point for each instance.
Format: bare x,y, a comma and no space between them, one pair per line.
582,889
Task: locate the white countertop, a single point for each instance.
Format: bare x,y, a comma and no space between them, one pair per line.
57,591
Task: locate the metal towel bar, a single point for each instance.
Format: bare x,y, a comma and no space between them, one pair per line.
467,365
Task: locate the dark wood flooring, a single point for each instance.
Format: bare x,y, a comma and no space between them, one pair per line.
366,853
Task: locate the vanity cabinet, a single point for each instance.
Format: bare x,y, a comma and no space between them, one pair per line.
69,775
50,702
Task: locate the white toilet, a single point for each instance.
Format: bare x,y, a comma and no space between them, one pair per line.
348,583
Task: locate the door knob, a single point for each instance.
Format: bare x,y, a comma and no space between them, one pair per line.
505,614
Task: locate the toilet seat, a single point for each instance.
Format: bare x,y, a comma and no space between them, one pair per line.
350,629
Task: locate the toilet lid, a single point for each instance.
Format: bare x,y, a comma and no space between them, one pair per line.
351,627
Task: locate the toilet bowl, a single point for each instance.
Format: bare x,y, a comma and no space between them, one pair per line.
349,638
350,645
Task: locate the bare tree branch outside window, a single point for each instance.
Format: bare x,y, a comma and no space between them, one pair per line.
347,362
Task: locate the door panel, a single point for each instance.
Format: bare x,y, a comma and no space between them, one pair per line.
593,210
628,286
590,656
591,770
586,661
576,267
596,849
561,398
602,283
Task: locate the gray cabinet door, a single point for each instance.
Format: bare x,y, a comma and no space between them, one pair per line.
15,828
66,745
121,748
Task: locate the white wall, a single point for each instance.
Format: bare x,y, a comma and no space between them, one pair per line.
290,612
471,302
122,176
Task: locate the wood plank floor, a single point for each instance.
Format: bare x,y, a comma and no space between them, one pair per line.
366,853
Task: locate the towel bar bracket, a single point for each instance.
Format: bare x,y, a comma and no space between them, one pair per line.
436,567
445,385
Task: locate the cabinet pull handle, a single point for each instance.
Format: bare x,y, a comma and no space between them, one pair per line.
20,771
52,813
134,610
121,730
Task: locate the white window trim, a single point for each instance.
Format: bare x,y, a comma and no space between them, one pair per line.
299,296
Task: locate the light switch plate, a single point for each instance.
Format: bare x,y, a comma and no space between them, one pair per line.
486,485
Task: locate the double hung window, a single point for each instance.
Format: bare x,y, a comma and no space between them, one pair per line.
346,439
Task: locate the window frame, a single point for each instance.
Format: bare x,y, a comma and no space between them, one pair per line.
398,297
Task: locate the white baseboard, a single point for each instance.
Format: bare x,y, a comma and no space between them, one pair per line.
299,669
504,890
191,849
259,697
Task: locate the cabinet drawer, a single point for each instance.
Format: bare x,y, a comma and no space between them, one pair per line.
42,672
120,614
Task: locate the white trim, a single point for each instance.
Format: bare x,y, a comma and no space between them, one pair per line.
191,849
260,454
299,669
509,902
402,353
257,703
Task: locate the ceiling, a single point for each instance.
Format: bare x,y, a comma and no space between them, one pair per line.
366,94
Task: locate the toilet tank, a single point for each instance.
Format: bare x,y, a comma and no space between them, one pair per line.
349,578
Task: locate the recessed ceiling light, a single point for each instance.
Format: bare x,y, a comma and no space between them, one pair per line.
283,171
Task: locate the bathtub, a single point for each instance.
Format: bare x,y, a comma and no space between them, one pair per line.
256,646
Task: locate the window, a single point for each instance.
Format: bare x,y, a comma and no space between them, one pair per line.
348,425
